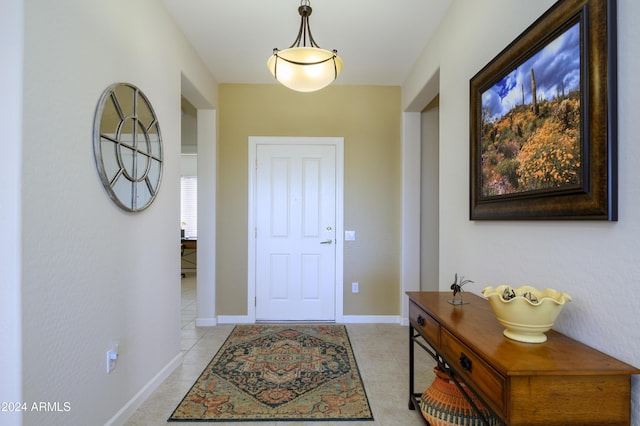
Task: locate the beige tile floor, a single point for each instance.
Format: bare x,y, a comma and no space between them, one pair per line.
381,351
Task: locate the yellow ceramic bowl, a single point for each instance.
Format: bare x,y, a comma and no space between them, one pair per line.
525,312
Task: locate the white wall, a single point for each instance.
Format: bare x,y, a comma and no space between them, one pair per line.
189,136
598,263
93,274
189,165
11,44
429,204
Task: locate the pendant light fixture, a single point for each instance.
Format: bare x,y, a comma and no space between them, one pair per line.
305,68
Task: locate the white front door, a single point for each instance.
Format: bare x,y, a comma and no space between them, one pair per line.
295,217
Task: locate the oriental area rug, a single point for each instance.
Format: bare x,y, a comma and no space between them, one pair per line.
279,373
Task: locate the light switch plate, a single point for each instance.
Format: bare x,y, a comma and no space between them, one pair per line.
349,235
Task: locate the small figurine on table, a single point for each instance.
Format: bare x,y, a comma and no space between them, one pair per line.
457,290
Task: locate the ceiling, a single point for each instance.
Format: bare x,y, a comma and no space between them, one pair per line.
378,40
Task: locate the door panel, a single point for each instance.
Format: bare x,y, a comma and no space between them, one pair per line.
295,232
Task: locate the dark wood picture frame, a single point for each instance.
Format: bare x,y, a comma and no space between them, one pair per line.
521,165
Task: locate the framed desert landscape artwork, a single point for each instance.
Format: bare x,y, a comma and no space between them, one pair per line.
543,120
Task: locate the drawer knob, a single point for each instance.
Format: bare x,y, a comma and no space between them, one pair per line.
420,321
465,362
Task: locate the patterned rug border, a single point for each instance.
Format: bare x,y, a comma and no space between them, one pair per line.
304,419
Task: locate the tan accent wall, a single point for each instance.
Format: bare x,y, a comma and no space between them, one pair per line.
369,119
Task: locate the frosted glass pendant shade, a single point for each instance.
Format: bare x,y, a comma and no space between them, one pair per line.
305,69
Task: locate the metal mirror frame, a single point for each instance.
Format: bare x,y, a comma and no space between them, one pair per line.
129,164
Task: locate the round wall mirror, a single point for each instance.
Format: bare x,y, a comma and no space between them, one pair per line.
127,145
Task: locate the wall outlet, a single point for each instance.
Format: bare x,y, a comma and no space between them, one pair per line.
112,357
355,288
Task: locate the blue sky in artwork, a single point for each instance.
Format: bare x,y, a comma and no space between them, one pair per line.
557,62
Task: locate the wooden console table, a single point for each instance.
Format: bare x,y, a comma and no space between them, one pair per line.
559,382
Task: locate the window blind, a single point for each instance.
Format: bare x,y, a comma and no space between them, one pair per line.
189,206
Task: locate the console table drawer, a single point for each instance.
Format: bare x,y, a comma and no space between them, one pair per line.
426,325
473,370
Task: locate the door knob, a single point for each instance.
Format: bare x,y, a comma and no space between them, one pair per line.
327,242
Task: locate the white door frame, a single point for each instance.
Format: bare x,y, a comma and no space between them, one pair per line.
254,141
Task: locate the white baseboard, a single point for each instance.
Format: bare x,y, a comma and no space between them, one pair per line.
235,319
346,319
206,322
138,399
370,319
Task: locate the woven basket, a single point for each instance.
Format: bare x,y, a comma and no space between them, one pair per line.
442,404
